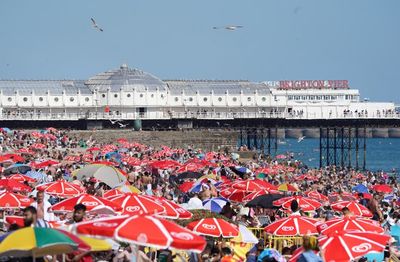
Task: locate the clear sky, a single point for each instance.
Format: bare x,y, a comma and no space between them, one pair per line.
358,40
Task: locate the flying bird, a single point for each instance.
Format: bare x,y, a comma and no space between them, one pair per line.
114,121
300,139
122,125
229,27
95,25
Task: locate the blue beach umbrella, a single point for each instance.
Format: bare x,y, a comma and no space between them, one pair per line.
40,177
360,188
17,169
215,204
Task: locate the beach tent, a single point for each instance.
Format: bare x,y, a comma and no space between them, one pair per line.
110,175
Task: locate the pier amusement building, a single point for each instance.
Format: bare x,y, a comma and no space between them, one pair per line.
127,94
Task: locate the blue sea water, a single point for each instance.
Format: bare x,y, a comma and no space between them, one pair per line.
382,153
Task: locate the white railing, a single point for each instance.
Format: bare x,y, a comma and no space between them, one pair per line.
182,115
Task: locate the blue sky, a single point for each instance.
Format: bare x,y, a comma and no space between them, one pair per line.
358,40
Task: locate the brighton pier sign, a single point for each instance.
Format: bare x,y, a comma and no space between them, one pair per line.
309,84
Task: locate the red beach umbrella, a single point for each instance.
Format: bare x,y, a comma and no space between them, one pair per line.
350,223
112,193
142,230
172,210
11,200
317,196
382,188
158,233
194,167
186,186
91,203
293,226
12,185
354,207
249,185
18,220
61,189
25,151
21,178
134,204
306,204
37,146
348,246
214,227
45,163
92,149
12,157
344,196
165,164
232,194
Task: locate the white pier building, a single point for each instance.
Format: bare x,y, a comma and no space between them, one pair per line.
131,94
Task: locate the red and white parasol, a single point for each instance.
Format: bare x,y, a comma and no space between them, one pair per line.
306,204
11,200
172,210
214,227
293,226
12,185
348,246
61,189
350,223
91,203
134,204
354,207
142,230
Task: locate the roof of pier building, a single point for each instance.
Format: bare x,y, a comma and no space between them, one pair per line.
129,79
43,87
217,87
125,79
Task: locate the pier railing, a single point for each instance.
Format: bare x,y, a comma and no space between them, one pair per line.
72,116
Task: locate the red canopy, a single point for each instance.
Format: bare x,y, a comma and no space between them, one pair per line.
11,200
382,188
91,202
354,207
350,223
61,188
294,225
306,204
348,246
12,185
214,227
134,204
144,231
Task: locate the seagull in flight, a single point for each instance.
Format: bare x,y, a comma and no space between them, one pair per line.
229,27
300,139
122,125
113,121
95,25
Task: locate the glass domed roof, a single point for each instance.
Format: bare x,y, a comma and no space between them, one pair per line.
125,79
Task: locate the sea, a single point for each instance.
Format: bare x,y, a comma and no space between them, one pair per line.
382,153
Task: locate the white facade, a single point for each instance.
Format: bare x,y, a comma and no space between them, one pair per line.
132,94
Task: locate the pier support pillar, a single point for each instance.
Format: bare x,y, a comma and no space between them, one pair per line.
340,146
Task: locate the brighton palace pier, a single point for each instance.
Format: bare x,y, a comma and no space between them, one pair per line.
131,97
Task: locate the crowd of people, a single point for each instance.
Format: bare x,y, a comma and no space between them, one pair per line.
136,162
